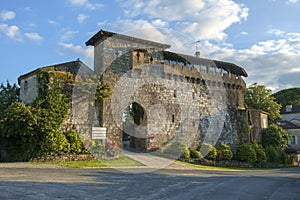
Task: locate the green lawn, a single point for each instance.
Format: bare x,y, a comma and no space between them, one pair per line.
122,161
226,168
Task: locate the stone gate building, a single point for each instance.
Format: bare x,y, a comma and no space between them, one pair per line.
178,97
182,98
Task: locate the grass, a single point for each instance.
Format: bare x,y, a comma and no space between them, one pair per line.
224,168
122,161
77,164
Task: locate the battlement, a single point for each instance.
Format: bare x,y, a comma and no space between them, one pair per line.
199,70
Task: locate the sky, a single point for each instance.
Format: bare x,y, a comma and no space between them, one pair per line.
262,36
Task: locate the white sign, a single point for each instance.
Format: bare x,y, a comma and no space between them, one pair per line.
99,133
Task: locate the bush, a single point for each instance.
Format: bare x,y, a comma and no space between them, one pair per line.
208,150
275,136
195,154
245,152
276,156
178,149
75,143
282,157
261,156
272,154
260,153
54,142
224,152
17,132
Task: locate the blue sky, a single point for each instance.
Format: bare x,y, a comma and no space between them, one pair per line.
261,36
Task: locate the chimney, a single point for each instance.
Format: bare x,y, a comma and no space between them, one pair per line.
288,108
197,54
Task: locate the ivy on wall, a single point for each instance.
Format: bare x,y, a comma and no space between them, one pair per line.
29,131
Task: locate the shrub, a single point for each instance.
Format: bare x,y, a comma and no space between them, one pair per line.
245,152
208,151
178,149
224,152
272,154
17,132
261,156
74,141
275,136
54,142
195,154
282,157
260,153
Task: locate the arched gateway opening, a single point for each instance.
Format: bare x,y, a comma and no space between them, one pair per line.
134,134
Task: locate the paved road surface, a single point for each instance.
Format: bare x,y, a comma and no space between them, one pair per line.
31,181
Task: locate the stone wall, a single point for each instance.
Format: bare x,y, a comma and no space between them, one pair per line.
28,89
182,102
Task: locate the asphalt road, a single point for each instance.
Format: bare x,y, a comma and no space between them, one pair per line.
31,181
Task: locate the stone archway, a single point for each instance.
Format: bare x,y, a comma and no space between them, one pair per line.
134,132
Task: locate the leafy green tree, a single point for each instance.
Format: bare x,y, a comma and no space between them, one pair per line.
8,94
275,136
18,135
259,97
288,97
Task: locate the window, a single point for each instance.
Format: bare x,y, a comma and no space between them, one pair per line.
25,86
175,93
193,95
173,118
294,140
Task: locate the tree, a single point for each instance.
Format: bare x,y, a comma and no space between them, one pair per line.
259,97
274,136
8,95
288,97
18,135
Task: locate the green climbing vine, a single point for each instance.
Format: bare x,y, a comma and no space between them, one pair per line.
30,131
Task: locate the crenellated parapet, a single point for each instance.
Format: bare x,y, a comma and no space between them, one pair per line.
203,72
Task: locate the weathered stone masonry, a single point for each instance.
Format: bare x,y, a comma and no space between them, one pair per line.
185,98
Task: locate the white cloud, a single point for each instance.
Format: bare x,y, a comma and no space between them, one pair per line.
202,19
67,34
7,15
244,33
159,23
276,32
86,4
274,63
137,28
102,23
291,1
52,21
34,36
12,32
87,54
81,18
